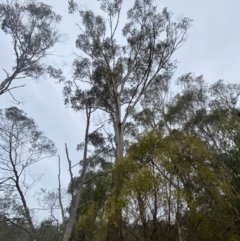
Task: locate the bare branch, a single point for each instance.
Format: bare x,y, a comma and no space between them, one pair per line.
70,171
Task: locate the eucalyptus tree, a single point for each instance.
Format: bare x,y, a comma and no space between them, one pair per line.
212,114
118,74
33,29
209,112
170,191
118,69
22,145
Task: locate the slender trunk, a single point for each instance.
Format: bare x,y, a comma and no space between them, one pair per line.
154,234
59,189
119,137
142,215
114,229
20,192
72,218
169,212
26,210
180,234
118,128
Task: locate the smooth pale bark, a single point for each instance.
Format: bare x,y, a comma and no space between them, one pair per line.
114,228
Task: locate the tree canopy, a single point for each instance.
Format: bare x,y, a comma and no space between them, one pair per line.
32,26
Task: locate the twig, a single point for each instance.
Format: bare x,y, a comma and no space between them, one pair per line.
6,72
19,86
18,102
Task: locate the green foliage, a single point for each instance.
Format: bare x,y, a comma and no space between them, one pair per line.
91,223
9,232
32,27
119,74
172,181
48,231
168,187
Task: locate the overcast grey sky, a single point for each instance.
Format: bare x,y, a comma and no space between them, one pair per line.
212,49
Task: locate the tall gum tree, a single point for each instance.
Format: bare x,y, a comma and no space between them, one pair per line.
118,74
32,26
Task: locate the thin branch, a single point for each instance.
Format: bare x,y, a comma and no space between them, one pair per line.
114,31
5,219
18,102
74,165
99,175
6,179
19,86
6,72
97,129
